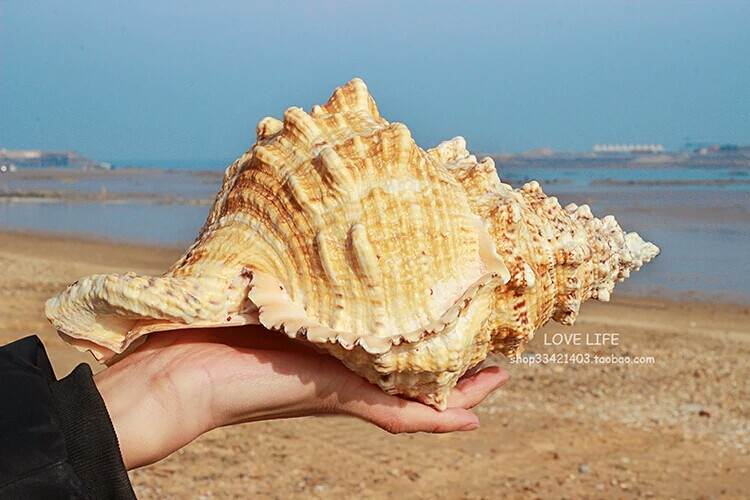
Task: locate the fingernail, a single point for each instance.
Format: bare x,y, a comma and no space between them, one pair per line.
470,427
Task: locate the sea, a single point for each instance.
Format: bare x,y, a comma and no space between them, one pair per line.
697,210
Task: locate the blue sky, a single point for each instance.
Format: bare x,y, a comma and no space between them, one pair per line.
172,80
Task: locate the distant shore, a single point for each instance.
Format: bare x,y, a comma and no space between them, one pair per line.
75,174
711,182
591,160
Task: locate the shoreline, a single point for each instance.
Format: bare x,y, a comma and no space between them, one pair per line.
44,236
61,196
75,174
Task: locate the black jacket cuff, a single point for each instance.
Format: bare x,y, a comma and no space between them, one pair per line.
93,450
56,437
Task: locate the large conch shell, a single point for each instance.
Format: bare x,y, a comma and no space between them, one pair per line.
410,266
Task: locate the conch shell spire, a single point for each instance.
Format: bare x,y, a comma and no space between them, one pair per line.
410,266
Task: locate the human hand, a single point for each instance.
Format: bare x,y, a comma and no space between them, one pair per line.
180,384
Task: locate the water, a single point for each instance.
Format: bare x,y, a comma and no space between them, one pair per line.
190,185
170,225
704,236
598,179
211,164
703,230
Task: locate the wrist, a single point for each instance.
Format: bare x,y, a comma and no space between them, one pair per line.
148,411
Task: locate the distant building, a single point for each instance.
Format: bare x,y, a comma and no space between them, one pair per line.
628,148
704,148
34,158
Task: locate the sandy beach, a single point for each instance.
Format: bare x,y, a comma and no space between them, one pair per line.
673,426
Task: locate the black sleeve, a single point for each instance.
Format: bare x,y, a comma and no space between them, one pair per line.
56,437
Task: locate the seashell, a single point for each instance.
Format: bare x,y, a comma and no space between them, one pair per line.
410,266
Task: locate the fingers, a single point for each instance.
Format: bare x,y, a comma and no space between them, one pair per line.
397,415
471,391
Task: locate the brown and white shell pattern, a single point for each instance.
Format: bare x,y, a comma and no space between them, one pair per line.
410,266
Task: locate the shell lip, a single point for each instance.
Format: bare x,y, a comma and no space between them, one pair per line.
488,251
277,311
111,352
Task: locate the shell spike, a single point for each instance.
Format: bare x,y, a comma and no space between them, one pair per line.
333,171
353,97
268,127
641,251
450,152
300,126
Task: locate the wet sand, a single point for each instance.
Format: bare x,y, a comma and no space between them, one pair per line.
677,427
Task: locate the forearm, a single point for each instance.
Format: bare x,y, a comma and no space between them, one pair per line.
160,401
